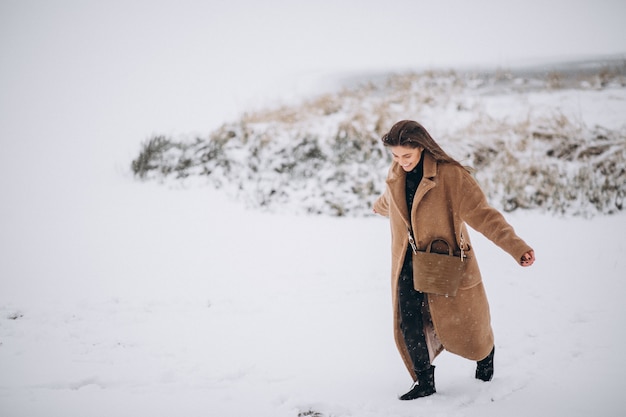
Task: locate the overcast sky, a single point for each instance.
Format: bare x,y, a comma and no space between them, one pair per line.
315,34
182,47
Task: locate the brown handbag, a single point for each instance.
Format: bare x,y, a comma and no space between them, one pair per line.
435,272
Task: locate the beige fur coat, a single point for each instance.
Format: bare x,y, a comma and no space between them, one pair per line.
446,200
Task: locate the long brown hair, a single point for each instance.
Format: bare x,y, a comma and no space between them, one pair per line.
410,134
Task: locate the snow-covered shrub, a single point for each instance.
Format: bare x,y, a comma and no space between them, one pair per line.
324,156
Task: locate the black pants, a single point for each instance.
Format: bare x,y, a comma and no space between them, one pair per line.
412,324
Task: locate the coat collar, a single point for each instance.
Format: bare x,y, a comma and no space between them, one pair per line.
396,183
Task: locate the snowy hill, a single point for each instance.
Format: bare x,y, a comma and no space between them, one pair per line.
552,139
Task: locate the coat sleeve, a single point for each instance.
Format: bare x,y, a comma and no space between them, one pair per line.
381,205
480,216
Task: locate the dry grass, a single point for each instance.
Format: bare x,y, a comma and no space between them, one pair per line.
325,153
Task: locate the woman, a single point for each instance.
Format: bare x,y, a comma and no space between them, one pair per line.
430,196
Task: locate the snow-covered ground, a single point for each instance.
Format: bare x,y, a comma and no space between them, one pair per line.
121,298
178,302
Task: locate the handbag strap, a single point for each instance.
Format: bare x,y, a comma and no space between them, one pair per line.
462,243
412,241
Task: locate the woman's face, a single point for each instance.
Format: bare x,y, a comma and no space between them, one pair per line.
408,158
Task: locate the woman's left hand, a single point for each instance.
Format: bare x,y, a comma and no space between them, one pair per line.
528,258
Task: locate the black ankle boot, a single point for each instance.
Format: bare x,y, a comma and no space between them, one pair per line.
423,387
484,368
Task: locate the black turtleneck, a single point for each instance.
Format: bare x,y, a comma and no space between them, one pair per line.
413,179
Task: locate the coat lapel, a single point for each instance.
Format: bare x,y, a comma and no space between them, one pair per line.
425,185
396,183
